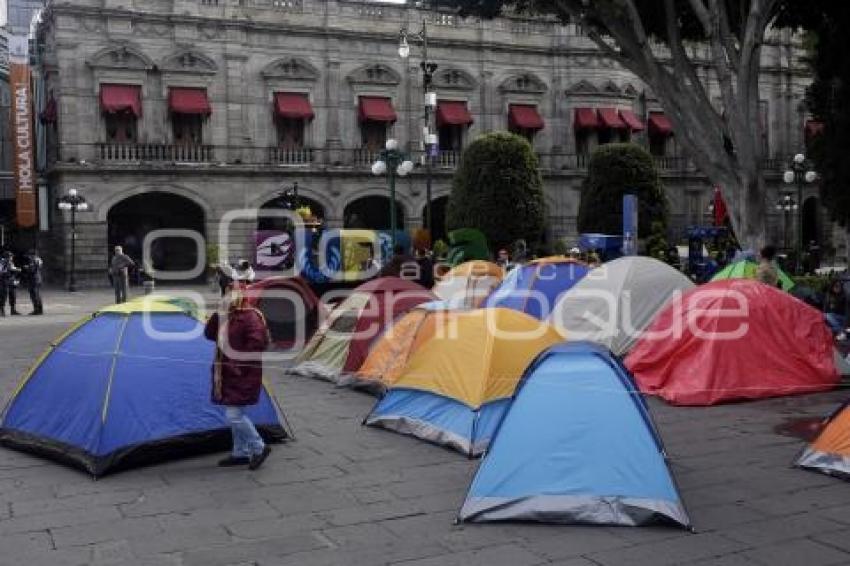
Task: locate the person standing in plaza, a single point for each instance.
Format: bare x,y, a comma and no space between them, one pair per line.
119,269
34,281
766,271
9,281
244,272
241,336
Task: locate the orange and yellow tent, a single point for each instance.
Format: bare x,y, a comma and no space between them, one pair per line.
830,452
457,385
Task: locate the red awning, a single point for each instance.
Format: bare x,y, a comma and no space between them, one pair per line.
610,118
189,101
376,109
120,99
525,116
453,113
293,105
586,119
814,128
659,124
632,121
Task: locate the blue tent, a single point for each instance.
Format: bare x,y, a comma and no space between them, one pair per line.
577,446
127,387
534,288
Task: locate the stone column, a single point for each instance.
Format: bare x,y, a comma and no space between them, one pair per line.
333,138
236,134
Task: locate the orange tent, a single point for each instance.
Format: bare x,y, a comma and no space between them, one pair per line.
830,452
468,284
390,354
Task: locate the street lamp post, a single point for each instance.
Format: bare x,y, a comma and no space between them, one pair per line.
801,174
786,204
74,202
392,162
429,137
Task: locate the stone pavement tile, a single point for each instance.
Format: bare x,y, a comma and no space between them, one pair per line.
111,553
166,500
439,528
649,534
359,535
80,535
444,501
287,474
834,494
370,513
727,560
574,541
72,556
719,517
285,526
674,551
293,499
797,552
26,542
58,519
839,514
502,555
396,552
370,495
572,562
77,502
131,480
253,551
835,539
777,529
178,539
215,514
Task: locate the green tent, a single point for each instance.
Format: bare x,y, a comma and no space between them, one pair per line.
466,244
746,269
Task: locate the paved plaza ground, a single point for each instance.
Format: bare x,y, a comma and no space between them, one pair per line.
343,494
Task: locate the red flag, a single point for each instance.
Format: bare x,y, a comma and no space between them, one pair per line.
720,210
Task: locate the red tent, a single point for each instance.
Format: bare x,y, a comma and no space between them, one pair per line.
342,343
289,305
734,339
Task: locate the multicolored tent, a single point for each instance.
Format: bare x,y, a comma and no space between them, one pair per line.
468,284
746,269
577,446
616,301
291,308
457,385
342,343
389,355
126,387
733,340
535,288
830,452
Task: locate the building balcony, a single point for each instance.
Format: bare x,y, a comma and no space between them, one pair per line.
355,160
154,152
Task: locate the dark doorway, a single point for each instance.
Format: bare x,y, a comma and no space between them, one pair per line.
811,229
135,217
372,213
438,226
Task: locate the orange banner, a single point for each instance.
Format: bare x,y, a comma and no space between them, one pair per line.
22,136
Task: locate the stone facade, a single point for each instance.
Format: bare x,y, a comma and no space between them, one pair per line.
334,51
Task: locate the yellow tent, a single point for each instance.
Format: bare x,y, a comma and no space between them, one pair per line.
457,385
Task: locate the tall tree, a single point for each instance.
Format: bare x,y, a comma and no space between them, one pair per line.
688,51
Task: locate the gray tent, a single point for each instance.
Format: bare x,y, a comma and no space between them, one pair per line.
614,303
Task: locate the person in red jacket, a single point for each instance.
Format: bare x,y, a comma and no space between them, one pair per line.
238,374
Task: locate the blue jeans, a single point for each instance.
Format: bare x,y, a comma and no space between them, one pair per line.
246,441
836,322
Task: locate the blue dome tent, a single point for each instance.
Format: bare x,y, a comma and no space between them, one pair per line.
126,387
576,446
534,288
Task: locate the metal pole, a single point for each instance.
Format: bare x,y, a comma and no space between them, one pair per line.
392,163
426,83
72,284
297,201
799,221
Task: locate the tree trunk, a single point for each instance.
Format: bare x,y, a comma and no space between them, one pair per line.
749,218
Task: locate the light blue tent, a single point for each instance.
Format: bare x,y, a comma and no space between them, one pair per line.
577,446
126,387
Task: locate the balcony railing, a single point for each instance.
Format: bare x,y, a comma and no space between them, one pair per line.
356,159
157,152
291,156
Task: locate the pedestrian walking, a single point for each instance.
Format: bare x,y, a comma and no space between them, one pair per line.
241,335
34,280
767,272
9,281
119,271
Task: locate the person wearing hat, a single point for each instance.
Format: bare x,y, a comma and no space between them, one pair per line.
503,260
244,272
241,336
8,283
